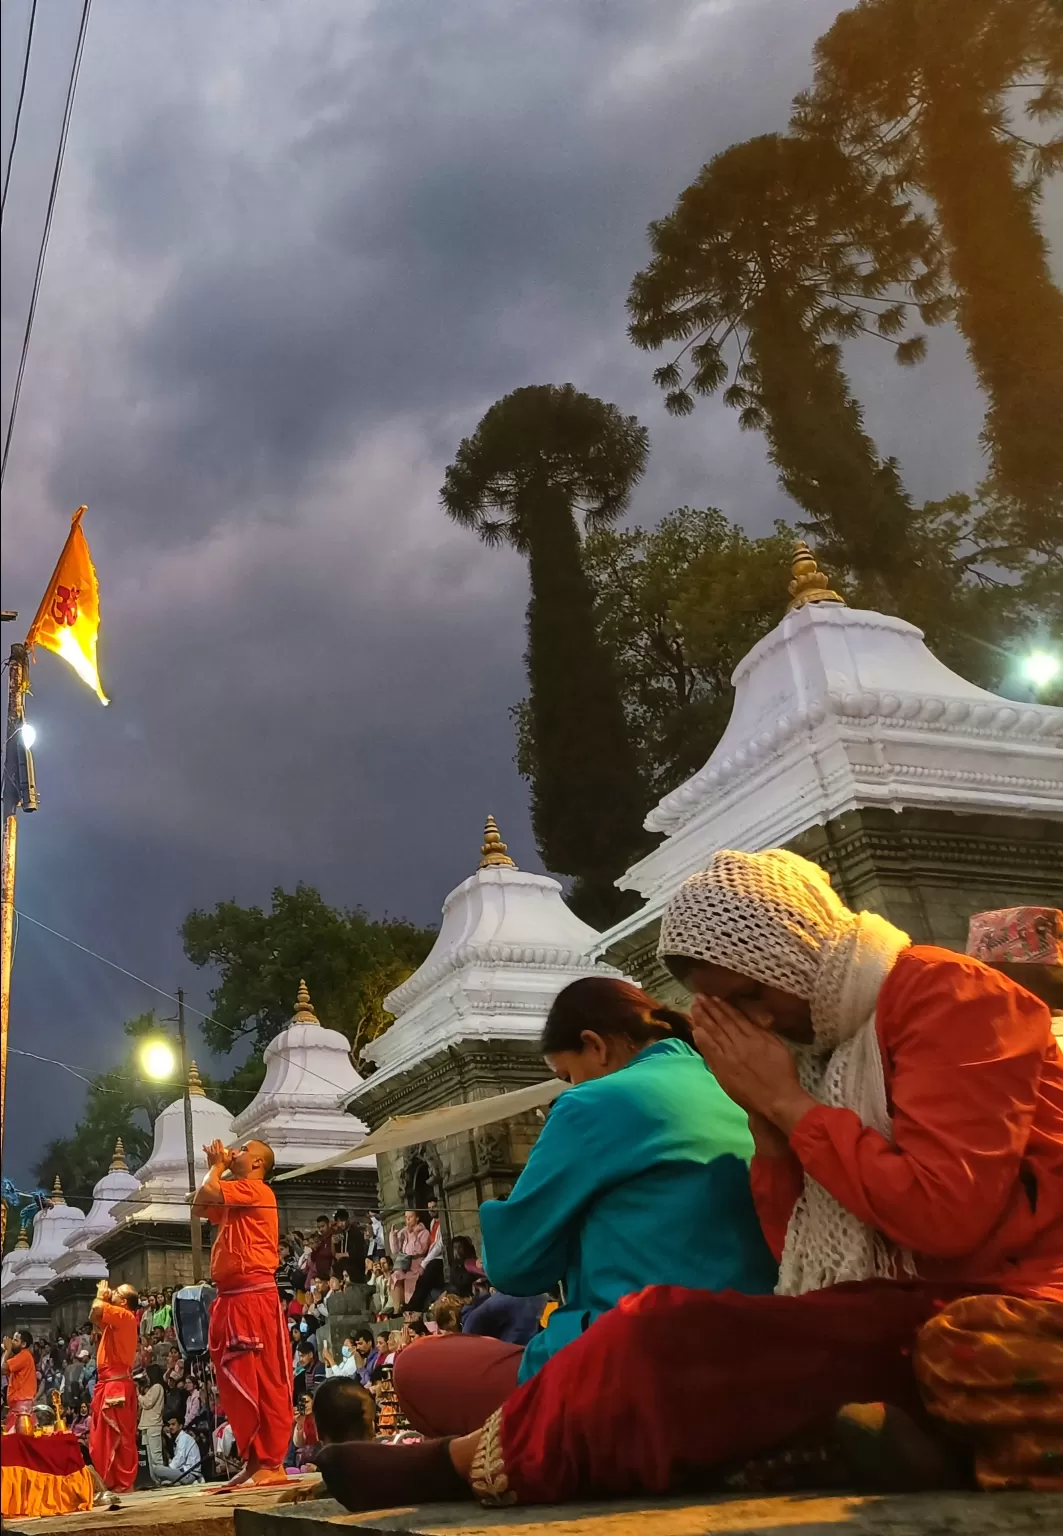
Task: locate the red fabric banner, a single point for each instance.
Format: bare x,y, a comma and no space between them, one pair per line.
54,1455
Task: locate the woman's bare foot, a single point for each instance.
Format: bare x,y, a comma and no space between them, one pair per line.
463,1453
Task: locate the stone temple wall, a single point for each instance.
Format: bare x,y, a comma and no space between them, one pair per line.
462,1170
926,871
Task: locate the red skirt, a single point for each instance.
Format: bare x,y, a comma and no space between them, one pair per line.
113,1433
252,1358
673,1383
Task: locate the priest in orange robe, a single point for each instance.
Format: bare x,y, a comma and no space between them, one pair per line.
248,1336
113,1429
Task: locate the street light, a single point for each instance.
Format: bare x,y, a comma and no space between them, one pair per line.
1040,668
29,734
159,1061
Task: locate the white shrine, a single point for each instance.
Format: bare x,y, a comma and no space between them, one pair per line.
13,1261
149,1245
926,798
300,1112
79,1269
467,1025
24,1304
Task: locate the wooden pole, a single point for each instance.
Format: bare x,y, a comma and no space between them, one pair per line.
16,683
190,1143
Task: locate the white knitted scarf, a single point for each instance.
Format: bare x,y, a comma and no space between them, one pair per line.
825,1243
774,917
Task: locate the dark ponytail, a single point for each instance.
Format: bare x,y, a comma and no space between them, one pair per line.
609,1007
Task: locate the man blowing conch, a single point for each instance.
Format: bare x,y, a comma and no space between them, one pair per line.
113,1427
248,1337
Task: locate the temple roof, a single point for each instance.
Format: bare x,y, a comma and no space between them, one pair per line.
51,1227
839,708
299,1110
79,1260
162,1182
506,946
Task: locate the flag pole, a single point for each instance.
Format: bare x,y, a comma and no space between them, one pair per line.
16,686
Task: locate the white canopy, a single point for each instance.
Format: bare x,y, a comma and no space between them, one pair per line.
407,1130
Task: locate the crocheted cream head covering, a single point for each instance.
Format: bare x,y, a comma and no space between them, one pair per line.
773,916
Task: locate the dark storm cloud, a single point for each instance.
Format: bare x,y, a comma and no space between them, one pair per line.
445,210
299,250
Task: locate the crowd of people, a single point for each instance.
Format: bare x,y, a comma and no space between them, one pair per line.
810,1234
442,1292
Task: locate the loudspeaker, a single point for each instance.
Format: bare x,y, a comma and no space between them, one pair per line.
191,1317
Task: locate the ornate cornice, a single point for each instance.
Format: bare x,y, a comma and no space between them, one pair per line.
896,715
535,956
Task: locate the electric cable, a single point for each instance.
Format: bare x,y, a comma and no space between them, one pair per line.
18,109
45,237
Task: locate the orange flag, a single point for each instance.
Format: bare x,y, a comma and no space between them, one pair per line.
68,620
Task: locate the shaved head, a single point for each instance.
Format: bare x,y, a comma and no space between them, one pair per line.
254,1160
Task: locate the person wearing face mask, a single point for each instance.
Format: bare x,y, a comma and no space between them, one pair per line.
348,1364
643,1143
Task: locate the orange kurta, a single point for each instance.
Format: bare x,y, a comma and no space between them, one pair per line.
21,1377
113,1431
972,1183
245,1246
248,1337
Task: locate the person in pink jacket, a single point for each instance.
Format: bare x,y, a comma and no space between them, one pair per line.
409,1244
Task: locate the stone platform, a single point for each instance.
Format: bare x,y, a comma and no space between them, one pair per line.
199,1511
949,1514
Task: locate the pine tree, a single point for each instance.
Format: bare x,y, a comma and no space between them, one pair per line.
934,93
777,252
540,458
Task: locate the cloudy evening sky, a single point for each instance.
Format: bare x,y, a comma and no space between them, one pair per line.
300,246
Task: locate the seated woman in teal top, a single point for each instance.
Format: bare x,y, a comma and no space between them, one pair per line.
640,1175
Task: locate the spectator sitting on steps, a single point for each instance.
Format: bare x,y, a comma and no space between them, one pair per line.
184,1466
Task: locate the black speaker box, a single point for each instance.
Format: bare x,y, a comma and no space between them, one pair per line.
191,1317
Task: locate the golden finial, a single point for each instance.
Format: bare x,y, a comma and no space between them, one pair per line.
195,1082
493,854
23,1238
118,1162
57,1193
304,1011
809,585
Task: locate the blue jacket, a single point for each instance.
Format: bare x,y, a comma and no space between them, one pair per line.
640,1178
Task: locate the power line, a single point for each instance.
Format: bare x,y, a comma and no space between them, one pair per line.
18,109
237,1034
170,996
52,1062
126,1077
42,253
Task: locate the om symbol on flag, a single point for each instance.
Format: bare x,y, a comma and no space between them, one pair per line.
65,605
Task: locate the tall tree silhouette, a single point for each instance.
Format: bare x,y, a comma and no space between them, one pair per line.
778,251
541,458
934,92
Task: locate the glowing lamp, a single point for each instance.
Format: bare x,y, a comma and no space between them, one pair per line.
1040,668
158,1060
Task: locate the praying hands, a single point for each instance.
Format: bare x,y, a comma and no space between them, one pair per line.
218,1155
752,1065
